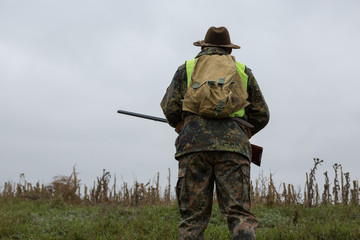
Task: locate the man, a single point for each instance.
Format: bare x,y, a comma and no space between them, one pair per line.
214,150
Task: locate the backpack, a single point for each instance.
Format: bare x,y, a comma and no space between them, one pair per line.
216,89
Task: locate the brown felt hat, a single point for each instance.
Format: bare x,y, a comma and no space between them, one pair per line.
216,37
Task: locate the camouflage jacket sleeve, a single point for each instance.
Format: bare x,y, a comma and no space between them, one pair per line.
257,113
171,103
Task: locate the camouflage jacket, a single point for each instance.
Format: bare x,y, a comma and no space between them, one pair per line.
204,134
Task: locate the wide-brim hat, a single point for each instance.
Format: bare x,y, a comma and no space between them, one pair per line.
216,37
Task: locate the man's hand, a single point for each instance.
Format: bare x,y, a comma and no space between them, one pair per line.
179,127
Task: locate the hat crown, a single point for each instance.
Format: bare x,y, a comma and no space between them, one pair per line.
217,36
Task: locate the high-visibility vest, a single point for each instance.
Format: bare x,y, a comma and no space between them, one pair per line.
190,65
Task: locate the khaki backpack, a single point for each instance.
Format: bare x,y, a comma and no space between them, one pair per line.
216,89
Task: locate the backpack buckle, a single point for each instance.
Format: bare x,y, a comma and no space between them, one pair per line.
219,108
212,82
196,85
221,81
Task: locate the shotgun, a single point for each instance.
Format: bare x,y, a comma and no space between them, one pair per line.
256,150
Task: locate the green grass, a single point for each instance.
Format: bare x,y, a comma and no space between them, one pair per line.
54,219
44,220
323,222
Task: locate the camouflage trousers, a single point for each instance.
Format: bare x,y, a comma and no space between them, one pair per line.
197,174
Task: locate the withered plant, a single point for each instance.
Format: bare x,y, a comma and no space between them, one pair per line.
346,189
336,187
326,197
355,193
310,181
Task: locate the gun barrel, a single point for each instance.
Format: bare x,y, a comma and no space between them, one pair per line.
143,116
256,150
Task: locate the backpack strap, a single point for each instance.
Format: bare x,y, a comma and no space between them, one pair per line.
190,65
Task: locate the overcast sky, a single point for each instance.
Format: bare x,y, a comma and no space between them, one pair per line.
66,67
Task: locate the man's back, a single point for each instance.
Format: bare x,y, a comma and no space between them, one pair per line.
206,134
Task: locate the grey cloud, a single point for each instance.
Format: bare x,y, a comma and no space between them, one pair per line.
66,67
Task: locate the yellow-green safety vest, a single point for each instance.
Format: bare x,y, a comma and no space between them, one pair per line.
190,65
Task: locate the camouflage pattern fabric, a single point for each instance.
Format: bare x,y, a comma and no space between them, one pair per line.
202,134
194,190
214,151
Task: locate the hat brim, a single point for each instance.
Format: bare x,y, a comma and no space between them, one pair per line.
202,43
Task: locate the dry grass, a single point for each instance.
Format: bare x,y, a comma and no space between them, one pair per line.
263,191
68,189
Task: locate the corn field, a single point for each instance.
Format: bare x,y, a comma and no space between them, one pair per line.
263,190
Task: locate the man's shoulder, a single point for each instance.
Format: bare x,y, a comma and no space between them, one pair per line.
248,71
181,71
182,67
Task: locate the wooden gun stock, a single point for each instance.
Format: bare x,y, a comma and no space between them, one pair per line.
256,154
